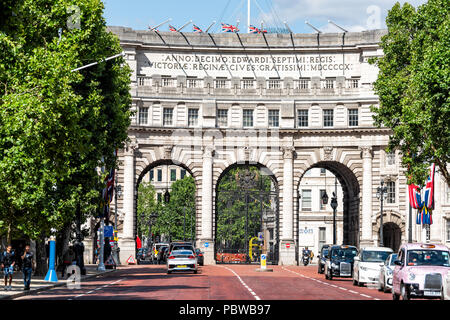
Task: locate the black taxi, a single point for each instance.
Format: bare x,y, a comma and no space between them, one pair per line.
339,261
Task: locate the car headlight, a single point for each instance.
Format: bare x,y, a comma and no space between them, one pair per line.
411,276
389,272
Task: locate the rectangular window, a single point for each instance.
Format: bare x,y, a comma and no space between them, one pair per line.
328,117
328,83
353,83
248,83
143,115
168,116
152,175
322,206
303,84
274,118
222,117
182,173
323,171
192,117
353,117
173,174
322,237
247,118
167,81
448,230
159,175
220,83
274,84
390,192
390,158
302,117
306,200
193,83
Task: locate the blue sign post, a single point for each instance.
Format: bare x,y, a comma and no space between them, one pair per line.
51,274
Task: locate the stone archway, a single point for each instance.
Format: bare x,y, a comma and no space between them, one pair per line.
394,228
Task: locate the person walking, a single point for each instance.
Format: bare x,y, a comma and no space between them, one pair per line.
28,265
8,266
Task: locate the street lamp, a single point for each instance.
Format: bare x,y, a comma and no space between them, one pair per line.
116,249
381,194
334,205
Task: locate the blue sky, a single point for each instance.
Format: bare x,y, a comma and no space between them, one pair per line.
353,15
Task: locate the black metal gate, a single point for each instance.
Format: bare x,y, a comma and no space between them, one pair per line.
247,209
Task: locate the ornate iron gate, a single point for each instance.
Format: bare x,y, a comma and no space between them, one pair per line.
247,209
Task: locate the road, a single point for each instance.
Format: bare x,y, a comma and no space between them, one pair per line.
214,282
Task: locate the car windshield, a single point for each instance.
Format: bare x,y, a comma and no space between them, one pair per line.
181,252
325,252
428,258
393,258
374,256
344,253
186,247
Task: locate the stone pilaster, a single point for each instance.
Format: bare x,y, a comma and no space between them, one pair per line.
287,246
207,206
127,241
366,230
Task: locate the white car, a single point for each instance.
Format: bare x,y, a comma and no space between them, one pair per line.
386,272
181,260
366,267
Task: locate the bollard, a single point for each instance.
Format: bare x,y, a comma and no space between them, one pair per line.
51,274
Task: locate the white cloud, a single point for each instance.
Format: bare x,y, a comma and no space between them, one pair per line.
353,15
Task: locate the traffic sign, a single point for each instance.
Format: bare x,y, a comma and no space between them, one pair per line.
108,231
260,236
206,244
263,261
131,260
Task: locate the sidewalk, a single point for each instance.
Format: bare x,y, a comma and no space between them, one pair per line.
39,284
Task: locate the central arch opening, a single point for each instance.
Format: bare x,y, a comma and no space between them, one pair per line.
317,219
246,215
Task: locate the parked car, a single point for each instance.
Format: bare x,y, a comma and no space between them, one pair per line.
420,270
182,260
322,257
367,265
161,256
386,271
199,255
155,250
339,261
141,255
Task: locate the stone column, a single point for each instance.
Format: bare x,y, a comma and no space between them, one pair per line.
366,230
126,240
206,239
287,246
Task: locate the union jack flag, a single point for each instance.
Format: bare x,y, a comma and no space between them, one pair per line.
172,28
229,28
197,29
429,189
253,29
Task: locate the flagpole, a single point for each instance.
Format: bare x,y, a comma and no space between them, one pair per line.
213,23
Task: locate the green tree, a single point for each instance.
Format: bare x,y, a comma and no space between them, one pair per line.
414,85
176,219
146,207
57,126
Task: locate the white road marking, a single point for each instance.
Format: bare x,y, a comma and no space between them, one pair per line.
244,284
328,284
98,288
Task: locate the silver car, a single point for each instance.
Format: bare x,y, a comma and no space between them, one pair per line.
181,260
386,272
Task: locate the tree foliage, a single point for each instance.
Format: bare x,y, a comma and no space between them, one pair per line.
57,126
414,85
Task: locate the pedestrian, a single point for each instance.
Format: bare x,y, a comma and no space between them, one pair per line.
28,265
8,266
68,258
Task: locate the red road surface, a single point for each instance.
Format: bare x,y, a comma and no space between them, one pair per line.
216,282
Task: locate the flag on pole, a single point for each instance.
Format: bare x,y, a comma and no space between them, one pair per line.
253,29
172,28
429,189
197,29
229,28
414,196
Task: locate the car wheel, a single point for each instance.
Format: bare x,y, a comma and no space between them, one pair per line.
195,271
385,288
404,292
169,272
330,275
380,286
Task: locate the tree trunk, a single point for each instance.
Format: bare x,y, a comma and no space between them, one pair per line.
41,258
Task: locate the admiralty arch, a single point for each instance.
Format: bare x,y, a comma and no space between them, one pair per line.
283,102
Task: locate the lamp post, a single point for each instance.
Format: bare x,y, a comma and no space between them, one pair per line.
381,194
334,205
116,249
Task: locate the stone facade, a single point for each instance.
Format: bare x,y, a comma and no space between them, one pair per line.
285,102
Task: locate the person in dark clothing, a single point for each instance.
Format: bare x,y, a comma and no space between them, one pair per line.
28,265
8,265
